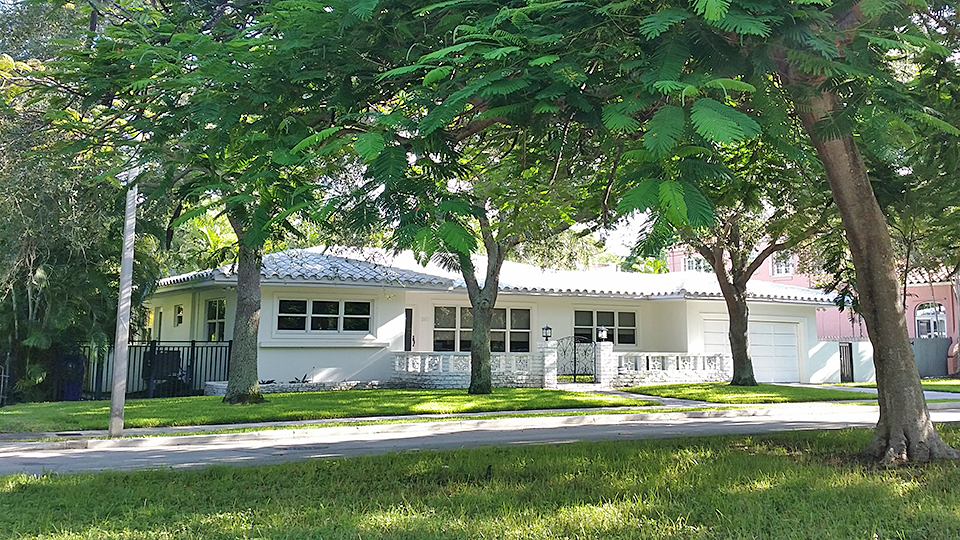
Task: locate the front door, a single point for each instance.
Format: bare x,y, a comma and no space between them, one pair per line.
408,339
846,362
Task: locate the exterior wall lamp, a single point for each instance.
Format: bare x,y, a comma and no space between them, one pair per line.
602,333
546,332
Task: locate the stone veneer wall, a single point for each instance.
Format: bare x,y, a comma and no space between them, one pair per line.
219,388
424,370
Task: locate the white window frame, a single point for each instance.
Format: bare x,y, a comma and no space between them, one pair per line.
460,329
177,315
308,316
220,322
696,263
781,264
613,331
936,323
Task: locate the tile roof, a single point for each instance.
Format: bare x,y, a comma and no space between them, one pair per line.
923,276
317,265
372,266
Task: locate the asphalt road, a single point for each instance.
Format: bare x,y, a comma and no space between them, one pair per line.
275,446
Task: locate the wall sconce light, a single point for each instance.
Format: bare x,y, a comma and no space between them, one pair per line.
546,332
602,333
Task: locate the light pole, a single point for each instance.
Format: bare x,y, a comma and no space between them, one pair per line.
120,355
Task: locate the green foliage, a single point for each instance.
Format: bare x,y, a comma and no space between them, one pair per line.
664,130
721,123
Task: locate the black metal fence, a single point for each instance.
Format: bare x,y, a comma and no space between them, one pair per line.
158,368
4,385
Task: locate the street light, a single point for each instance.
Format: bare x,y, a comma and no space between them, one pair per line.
602,333
546,332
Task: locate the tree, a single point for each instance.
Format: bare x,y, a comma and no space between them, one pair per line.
834,63
206,105
456,168
60,218
765,204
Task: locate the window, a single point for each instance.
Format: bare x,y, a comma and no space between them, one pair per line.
178,314
782,264
216,319
158,324
696,263
931,320
453,329
621,326
323,316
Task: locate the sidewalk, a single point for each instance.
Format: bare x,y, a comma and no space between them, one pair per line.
182,435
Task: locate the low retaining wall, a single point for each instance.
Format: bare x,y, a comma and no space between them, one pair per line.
447,370
219,388
637,378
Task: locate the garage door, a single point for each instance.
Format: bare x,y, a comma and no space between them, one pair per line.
774,348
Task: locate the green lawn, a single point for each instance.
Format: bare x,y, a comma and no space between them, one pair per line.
765,393
800,485
206,410
936,385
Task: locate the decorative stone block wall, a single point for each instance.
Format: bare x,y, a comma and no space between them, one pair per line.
646,368
452,370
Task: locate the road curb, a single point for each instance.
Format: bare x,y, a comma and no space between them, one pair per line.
411,429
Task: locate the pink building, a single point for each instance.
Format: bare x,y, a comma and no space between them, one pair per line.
931,306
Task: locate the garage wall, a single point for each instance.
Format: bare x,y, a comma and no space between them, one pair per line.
782,337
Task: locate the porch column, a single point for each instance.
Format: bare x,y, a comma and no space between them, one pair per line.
607,365
547,352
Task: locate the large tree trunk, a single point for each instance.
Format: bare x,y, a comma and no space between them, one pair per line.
243,385
739,342
481,376
904,431
483,299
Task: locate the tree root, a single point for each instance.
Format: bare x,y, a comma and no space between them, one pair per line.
889,448
245,399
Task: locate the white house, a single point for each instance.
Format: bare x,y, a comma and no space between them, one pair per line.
330,316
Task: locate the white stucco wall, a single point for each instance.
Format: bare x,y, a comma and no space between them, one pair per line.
194,302
665,326
331,356
811,367
662,326
553,311
825,362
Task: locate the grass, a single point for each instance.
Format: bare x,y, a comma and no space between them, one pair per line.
207,410
936,385
765,393
790,486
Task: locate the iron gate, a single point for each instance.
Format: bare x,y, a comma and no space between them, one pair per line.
576,359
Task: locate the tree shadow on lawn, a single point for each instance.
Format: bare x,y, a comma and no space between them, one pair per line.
803,485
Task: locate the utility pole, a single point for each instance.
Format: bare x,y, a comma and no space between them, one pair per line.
120,354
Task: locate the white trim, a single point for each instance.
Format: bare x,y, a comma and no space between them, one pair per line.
321,338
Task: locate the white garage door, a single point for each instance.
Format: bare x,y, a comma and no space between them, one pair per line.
774,348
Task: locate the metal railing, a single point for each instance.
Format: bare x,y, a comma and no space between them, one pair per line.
158,368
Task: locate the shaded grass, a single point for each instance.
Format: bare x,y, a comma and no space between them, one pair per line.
798,485
206,410
765,393
936,385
